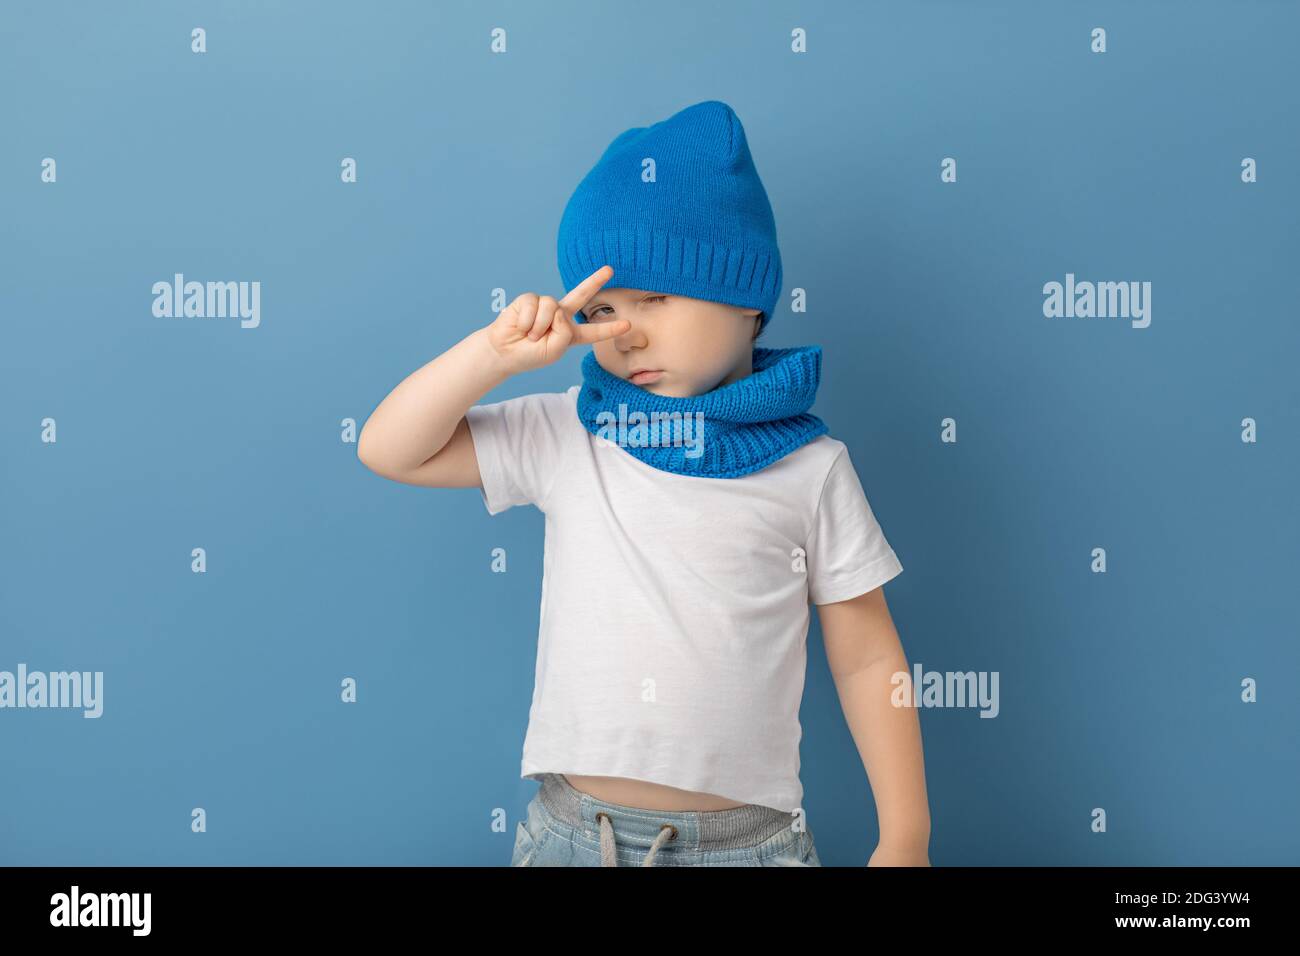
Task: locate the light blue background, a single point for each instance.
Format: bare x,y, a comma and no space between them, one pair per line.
222,689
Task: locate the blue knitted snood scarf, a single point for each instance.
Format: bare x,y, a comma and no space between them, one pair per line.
728,432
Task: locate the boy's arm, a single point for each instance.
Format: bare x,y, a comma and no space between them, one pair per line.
418,434
864,654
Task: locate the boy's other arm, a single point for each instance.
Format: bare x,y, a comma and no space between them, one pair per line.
864,653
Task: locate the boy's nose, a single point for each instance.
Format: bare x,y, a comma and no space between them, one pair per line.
633,338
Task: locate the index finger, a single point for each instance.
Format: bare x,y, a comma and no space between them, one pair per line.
581,293
592,332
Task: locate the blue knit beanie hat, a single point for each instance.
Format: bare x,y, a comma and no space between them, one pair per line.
695,222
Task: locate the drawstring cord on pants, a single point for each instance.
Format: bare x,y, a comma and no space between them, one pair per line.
608,852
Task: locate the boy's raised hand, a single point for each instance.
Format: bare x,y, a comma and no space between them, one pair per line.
533,331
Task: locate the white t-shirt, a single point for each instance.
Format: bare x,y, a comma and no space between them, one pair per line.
674,613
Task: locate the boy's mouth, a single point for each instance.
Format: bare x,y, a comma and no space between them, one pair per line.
646,376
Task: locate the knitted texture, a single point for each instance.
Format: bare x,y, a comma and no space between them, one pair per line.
747,424
702,227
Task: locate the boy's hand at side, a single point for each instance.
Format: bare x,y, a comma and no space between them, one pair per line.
534,331
899,856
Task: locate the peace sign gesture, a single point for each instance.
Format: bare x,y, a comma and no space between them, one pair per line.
533,331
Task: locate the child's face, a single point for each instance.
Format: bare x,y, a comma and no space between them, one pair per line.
695,345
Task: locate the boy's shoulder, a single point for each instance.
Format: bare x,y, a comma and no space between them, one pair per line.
823,450
551,403
815,460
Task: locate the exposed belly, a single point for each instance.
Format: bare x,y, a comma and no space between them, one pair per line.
647,796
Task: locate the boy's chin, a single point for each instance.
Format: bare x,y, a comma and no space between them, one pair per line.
657,387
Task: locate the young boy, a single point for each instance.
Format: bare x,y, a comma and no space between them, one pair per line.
694,508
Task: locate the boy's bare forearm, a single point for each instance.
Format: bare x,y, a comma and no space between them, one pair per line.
865,654
417,418
889,742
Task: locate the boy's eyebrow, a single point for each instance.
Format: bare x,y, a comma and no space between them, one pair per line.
597,300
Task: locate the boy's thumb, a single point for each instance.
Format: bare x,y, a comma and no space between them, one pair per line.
561,323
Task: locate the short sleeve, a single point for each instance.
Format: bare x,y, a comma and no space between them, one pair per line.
847,551
519,444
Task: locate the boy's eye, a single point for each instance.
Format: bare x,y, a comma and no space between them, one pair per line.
596,312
